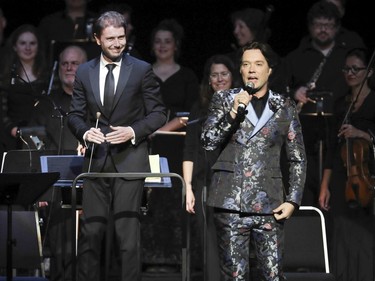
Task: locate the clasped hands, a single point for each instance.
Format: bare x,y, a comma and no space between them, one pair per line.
117,135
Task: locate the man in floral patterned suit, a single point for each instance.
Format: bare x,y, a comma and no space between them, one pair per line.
247,188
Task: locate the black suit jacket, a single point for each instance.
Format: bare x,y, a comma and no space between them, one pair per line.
137,104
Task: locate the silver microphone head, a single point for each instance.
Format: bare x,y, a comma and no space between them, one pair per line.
249,85
249,88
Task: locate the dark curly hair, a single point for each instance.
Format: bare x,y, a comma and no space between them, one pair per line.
323,9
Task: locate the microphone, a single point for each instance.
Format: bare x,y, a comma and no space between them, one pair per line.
92,147
249,88
52,77
13,74
36,130
33,133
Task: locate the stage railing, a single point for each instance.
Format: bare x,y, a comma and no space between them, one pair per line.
185,270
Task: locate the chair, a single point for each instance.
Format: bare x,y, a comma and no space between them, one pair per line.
27,248
306,253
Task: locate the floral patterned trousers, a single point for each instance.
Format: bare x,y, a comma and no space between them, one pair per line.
236,232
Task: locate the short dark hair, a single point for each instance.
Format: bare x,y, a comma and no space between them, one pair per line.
109,18
271,57
323,9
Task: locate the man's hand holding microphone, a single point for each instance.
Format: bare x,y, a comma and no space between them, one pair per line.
241,101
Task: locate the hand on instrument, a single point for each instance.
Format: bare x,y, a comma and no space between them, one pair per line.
349,131
301,95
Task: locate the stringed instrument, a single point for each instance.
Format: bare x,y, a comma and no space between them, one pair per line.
355,153
359,189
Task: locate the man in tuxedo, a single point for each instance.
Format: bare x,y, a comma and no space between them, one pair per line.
246,188
115,106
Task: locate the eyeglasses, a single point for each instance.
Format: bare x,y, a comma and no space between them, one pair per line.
353,69
67,64
320,25
216,75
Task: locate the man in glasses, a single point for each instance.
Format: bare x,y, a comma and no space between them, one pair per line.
55,107
313,77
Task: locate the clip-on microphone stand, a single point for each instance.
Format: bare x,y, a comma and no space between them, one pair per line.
62,115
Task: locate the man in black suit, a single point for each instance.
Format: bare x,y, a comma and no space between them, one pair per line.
113,116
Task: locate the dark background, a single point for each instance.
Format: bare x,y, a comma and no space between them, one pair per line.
207,25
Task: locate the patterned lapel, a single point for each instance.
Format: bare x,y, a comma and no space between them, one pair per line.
266,115
252,125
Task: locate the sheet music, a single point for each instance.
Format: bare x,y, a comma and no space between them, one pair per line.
155,168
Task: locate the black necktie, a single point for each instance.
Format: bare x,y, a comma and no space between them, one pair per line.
109,88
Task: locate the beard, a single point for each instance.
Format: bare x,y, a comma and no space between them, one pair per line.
323,43
113,57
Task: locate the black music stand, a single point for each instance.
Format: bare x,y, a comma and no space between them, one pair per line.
321,104
21,189
320,107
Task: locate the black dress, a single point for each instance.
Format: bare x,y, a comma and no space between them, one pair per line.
20,103
164,220
203,161
350,229
179,91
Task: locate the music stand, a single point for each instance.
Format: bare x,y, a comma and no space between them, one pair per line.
320,107
21,189
321,104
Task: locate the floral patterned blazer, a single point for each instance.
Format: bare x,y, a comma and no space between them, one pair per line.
247,176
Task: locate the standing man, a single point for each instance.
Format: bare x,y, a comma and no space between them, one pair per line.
116,105
247,188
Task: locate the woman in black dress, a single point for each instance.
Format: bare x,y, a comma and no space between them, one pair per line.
351,216
23,80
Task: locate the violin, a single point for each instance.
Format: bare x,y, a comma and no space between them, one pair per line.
360,185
